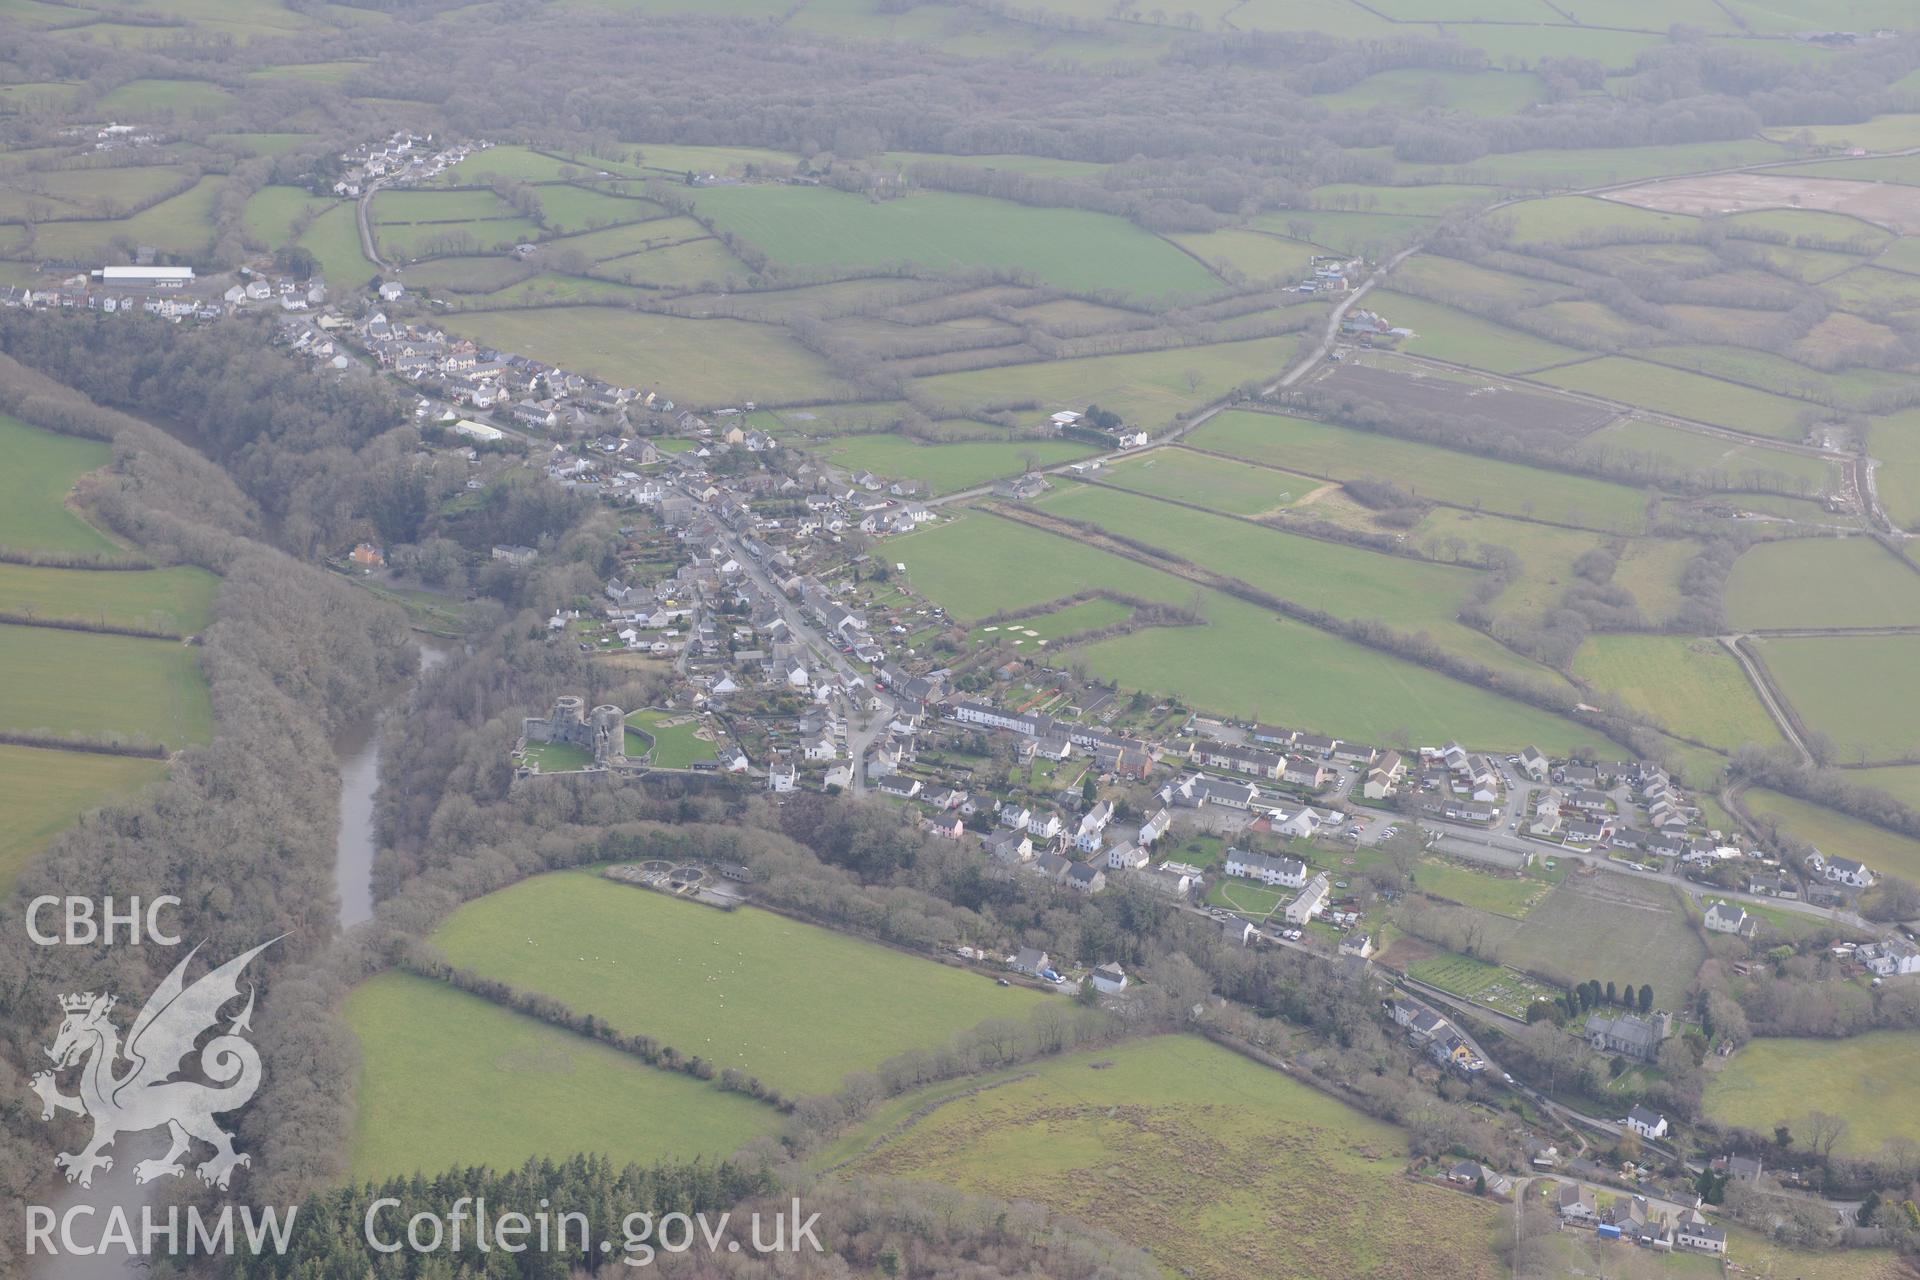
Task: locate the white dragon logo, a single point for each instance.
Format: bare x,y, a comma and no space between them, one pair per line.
146,1096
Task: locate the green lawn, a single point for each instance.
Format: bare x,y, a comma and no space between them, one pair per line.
947,468
1246,897
1341,453
1088,615
448,1080
1219,1166
674,746
39,471
796,1005
1217,483
1684,395
72,682
558,757
1849,688
1835,833
703,362
272,211
1864,1078
42,792
177,599
1822,582
1691,685
801,226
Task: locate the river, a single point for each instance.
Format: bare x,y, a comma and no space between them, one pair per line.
357,748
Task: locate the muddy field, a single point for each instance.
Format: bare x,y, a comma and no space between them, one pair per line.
1894,207
1406,387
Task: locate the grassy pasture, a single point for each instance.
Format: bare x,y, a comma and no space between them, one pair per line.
1691,685
525,164
526,1090
1649,568
1900,781
1835,833
948,468
1776,1080
1727,464
1601,166
148,97
1575,220
821,227
1148,387
1511,896
1881,133
674,266
796,1005
705,362
674,746
1683,394
1211,482
1451,276
475,275
272,211
1872,291
1459,338
1895,441
334,241
1088,615
1822,582
407,241
1041,166
40,472
1371,234
418,205
45,791
178,599
632,237
1594,323
567,208
1244,661
1254,255
1769,372
1209,1160
178,224
1901,169
1609,927
1349,582
1845,687
74,682
1819,228
1344,454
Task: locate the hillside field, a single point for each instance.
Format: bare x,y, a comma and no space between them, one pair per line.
1689,684
74,682
47,790
745,989
1862,1078
449,1080
1217,1165
40,472
1822,582
1838,685
1835,833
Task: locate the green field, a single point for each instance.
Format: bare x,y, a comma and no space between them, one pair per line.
1900,781
1846,686
1574,220
1835,833
1252,255
519,1089
745,989
1216,483
1342,453
1511,896
1690,685
705,362
1348,582
74,682
40,472
1459,338
334,242
675,746
558,757
1044,628
272,211
46,790
947,468
1147,388
144,97
1862,1078
1219,1166
1500,989
1724,463
1244,661
801,226
1822,582
178,599
1685,395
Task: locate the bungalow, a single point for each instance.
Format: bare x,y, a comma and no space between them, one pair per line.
1589,801
1468,1172
1300,823
1031,962
1696,1233
1577,1203
1164,880
899,784
1646,1122
1586,831
1290,872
